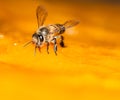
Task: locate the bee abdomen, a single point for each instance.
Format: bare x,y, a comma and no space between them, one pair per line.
61,27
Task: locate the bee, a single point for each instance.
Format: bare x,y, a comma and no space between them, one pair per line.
47,34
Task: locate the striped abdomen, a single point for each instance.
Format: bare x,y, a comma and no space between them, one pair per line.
56,28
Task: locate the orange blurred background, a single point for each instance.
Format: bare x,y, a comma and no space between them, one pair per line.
87,69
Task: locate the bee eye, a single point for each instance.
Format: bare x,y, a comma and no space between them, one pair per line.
41,38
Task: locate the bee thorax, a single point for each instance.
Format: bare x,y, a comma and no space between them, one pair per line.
43,31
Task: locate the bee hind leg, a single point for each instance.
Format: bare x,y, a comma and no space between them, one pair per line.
62,41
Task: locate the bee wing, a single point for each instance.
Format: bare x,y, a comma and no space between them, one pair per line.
70,23
41,14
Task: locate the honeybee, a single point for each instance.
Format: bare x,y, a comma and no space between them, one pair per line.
47,34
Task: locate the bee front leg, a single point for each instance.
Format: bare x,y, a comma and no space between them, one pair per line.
55,46
47,47
39,48
35,50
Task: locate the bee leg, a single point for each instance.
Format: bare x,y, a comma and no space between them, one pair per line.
39,49
61,41
47,47
35,50
55,46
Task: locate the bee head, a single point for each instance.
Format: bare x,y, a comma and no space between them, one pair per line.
35,38
44,31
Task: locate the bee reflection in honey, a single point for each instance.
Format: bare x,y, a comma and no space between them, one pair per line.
50,33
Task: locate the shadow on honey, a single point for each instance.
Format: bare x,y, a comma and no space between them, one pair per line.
87,69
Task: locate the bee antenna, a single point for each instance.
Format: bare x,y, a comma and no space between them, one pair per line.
27,43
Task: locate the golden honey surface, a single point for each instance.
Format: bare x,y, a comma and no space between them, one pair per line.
88,68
